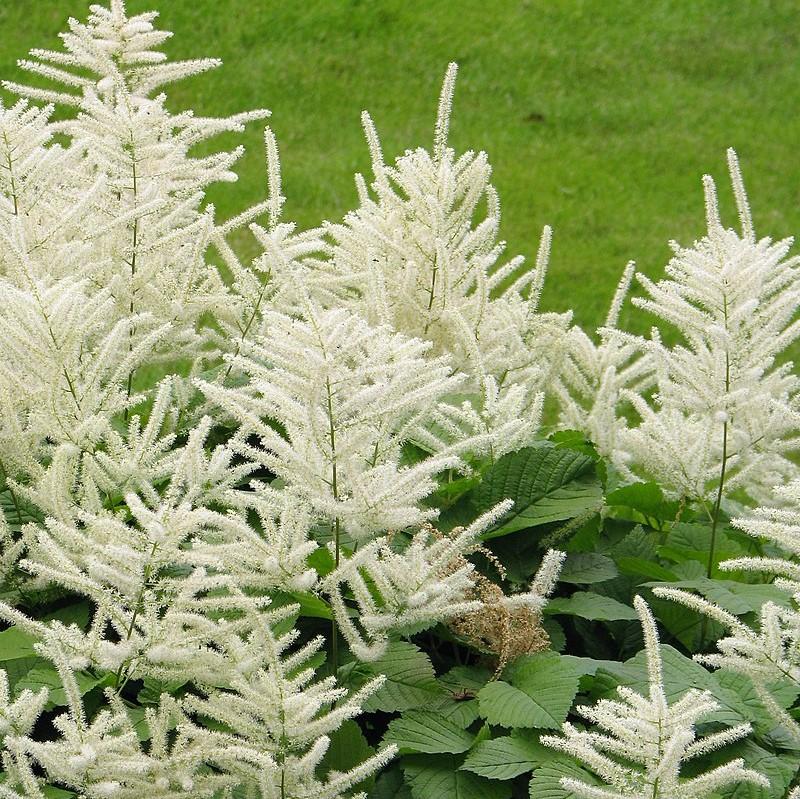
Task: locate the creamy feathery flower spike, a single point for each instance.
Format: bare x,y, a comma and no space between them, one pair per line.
347,397
767,652
275,719
643,742
423,256
65,361
724,404
138,184
593,376
426,582
277,722
270,281
781,525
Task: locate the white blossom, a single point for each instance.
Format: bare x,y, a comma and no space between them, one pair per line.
781,525
724,413
414,257
643,742
332,401
593,377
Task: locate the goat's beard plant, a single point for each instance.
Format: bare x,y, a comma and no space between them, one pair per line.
339,433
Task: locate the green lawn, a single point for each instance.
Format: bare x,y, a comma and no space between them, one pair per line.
599,115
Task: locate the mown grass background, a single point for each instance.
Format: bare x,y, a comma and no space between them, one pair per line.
599,116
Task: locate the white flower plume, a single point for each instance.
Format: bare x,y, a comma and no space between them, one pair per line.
721,401
331,402
643,742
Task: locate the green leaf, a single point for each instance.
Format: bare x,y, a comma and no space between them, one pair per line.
501,703
310,605
390,785
429,733
152,689
680,674
507,757
348,748
593,607
78,613
459,712
587,567
539,693
46,676
410,679
692,542
574,439
18,511
779,769
15,643
646,498
547,484
139,721
737,598
439,777
641,567
546,780
51,792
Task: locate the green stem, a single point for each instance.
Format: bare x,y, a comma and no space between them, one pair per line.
134,243
10,167
148,569
248,325
718,502
336,523
14,500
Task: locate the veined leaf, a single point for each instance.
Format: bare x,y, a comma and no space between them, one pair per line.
546,780
439,777
587,567
594,607
538,693
410,679
427,732
547,484
507,757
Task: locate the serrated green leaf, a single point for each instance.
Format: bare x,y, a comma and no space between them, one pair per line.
551,681
594,607
546,780
539,693
410,679
347,749
692,541
501,703
779,769
587,567
390,785
439,777
507,757
646,498
430,733
461,713
641,567
547,484
680,674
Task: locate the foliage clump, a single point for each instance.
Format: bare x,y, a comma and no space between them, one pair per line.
283,529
